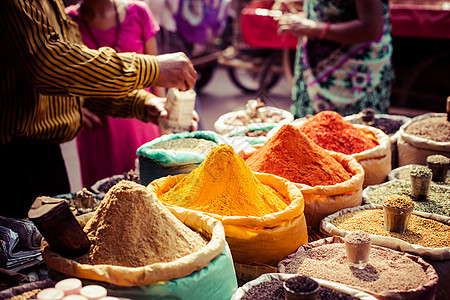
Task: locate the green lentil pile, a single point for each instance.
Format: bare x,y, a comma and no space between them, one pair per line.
186,144
438,198
421,231
396,201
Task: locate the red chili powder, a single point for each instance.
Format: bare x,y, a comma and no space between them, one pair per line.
292,155
329,130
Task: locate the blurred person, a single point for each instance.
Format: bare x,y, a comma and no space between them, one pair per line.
343,60
107,145
47,76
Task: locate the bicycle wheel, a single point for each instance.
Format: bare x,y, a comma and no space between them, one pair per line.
249,81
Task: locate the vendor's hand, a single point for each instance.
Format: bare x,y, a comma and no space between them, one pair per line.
176,70
154,108
297,25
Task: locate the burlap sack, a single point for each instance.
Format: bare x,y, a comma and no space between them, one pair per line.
356,118
439,258
264,240
376,161
145,275
425,291
323,200
414,149
280,276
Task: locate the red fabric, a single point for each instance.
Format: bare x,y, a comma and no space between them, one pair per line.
261,30
419,21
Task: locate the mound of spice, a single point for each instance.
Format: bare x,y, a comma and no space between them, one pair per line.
132,228
223,184
273,290
437,197
331,131
421,231
292,155
301,284
386,270
398,201
433,128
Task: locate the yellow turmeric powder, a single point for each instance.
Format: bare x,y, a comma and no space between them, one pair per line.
223,184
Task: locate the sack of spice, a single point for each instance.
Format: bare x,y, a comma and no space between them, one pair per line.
329,181
370,146
141,250
436,202
389,274
253,133
256,113
176,153
428,235
389,124
270,286
422,136
262,214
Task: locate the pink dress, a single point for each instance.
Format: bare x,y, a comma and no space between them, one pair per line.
111,149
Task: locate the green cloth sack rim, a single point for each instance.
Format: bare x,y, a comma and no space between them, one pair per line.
171,158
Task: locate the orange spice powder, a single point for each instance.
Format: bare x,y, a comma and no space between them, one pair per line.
292,155
331,131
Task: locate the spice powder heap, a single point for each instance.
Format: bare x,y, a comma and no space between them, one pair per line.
223,184
292,155
331,131
132,228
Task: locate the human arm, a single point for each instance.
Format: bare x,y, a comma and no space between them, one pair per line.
57,63
150,47
368,25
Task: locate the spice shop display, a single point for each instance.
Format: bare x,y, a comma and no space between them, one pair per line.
397,212
137,241
255,112
427,235
439,165
329,181
173,154
262,214
389,124
270,287
383,277
437,200
423,136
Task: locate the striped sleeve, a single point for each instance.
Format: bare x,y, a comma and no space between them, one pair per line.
56,65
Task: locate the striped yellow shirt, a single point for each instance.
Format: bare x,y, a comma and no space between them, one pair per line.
46,74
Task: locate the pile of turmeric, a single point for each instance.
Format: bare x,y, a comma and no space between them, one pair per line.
292,155
223,184
331,131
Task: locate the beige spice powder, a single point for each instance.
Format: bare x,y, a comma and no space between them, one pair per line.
132,228
421,231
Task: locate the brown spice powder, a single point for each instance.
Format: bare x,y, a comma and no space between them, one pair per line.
421,231
132,228
385,271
